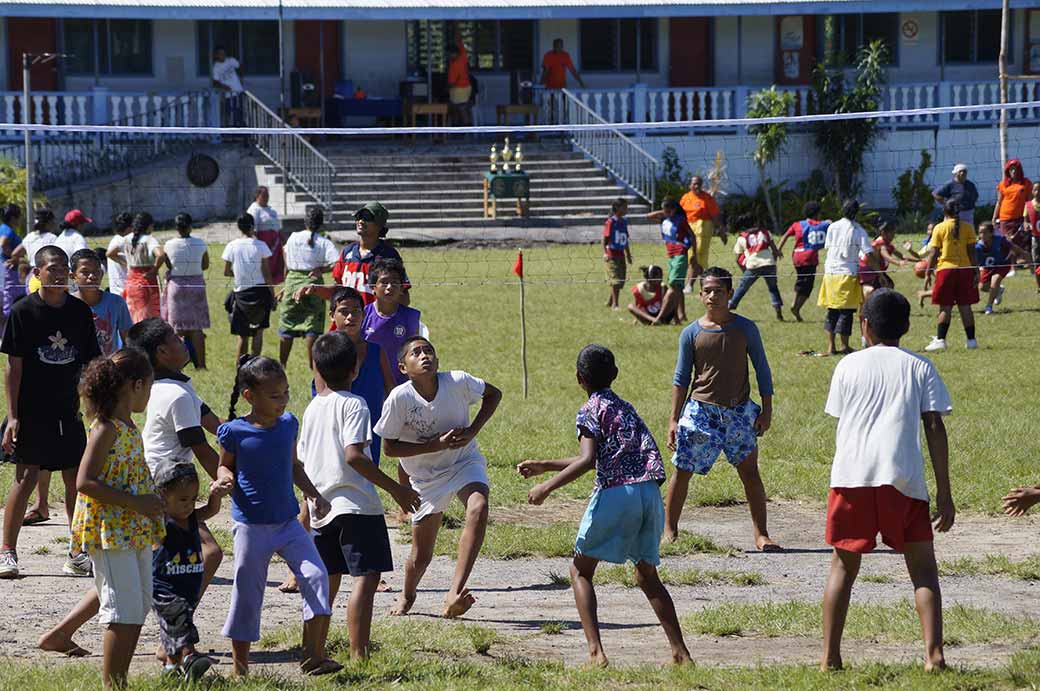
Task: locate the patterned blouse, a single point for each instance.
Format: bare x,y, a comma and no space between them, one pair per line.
626,452
104,526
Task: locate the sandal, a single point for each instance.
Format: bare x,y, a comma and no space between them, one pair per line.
320,668
34,517
195,665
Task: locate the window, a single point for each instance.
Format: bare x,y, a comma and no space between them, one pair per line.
119,47
253,43
625,45
490,45
843,35
973,36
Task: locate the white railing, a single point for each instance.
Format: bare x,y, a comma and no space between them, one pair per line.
629,163
102,107
297,159
640,103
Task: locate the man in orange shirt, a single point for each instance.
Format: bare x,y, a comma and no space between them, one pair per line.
1012,194
555,65
702,213
459,87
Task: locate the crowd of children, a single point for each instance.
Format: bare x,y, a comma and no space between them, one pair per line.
131,494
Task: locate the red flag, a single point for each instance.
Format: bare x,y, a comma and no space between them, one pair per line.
518,268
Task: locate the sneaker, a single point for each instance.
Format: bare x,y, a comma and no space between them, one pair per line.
8,563
1000,296
988,310
79,565
936,345
972,344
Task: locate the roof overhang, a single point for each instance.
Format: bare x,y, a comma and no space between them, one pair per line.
468,9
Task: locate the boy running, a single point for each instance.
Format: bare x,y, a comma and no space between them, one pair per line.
996,255
880,396
678,244
426,424
717,414
809,235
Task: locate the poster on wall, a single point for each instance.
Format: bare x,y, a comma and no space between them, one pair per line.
792,33
910,30
792,64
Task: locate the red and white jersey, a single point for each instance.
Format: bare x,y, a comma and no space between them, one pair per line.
351,269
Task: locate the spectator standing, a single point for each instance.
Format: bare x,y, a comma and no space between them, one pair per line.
268,229
13,288
116,259
42,235
960,189
460,89
703,215
225,77
144,256
184,304
1012,193
71,237
555,65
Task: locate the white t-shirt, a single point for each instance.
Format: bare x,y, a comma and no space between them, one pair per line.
172,407
845,240
300,256
409,417
185,255
116,271
226,73
265,217
34,242
333,421
878,396
71,241
142,256
246,255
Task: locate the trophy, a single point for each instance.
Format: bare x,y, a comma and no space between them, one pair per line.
518,157
493,157
506,155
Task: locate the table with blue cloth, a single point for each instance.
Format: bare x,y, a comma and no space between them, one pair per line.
516,184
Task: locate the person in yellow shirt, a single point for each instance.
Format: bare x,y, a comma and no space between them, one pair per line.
951,253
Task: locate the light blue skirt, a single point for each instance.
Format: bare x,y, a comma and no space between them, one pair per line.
623,523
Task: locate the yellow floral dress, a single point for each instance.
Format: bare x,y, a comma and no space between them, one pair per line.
104,526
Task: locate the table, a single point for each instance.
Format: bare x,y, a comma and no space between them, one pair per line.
304,117
529,111
507,185
437,112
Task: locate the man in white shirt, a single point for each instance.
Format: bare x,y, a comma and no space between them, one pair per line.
840,292
879,395
225,78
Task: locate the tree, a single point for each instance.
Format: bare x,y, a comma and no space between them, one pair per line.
12,185
770,138
843,143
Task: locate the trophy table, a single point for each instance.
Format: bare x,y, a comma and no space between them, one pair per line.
505,180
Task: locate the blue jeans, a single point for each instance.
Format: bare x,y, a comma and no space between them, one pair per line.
748,279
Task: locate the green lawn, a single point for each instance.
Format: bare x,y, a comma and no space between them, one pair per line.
470,301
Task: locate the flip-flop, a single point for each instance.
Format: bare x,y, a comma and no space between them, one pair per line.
286,588
34,517
326,666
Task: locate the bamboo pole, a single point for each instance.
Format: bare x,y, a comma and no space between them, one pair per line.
1002,63
523,323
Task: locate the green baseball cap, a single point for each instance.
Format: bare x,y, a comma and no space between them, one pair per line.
377,210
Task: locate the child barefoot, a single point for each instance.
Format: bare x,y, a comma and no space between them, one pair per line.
649,298
426,424
258,462
118,517
178,567
334,448
616,249
881,395
625,516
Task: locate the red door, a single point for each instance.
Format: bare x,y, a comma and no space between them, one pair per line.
689,51
31,35
313,37
795,49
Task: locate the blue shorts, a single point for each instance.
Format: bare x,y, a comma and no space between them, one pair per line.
623,523
706,430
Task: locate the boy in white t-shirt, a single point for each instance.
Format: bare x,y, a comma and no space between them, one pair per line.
334,448
877,478
249,306
425,423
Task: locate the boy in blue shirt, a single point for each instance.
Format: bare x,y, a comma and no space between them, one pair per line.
996,256
616,249
625,517
712,410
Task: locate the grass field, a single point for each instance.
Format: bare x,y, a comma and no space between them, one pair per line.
470,301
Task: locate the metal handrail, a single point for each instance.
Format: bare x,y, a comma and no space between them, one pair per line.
291,153
628,162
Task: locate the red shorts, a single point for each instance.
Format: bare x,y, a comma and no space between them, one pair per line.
990,272
855,515
955,287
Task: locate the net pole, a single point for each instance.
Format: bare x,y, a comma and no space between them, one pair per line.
1002,66
27,119
523,323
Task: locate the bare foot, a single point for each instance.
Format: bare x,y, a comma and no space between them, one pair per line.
937,665
402,605
669,536
384,587
404,517
289,586
598,660
681,657
765,544
832,665
457,606
55,642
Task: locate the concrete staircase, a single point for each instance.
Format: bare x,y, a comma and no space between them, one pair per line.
428,186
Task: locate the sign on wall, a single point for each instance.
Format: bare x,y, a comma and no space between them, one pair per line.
910,29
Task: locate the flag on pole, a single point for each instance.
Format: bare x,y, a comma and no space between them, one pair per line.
518,267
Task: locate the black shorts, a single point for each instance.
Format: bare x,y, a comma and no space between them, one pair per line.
249,310
355,544
50,444
803,284
839,321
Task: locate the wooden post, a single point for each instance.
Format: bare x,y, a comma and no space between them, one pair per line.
518,269
1002,63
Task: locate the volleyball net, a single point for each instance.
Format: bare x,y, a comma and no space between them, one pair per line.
475,194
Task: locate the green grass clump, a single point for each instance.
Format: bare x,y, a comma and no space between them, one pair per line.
898,622
41,550
624,575
877,578
692,543
993,565
552,628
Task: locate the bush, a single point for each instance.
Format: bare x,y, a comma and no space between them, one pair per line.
673,179
12,185
911,194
